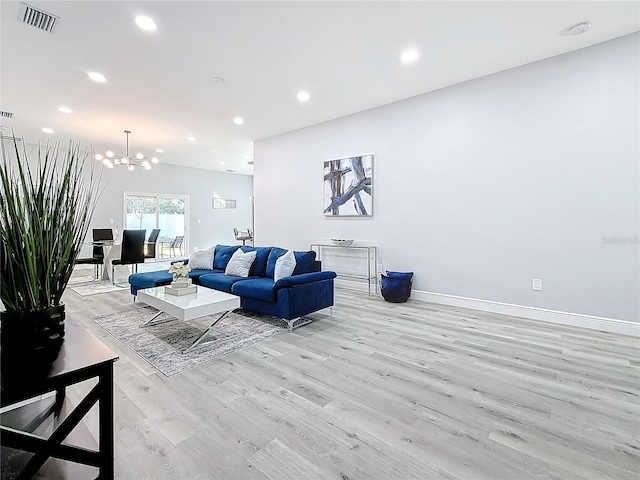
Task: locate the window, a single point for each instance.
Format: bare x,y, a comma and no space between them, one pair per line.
169,213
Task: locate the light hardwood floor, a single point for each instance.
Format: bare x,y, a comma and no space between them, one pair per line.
383,391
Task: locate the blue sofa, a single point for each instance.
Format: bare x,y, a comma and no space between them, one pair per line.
307,290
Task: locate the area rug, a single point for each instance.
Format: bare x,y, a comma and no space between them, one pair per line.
162,344
95,287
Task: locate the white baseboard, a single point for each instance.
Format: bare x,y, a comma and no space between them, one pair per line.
533,313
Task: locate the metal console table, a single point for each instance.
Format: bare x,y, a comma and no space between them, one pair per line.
372,261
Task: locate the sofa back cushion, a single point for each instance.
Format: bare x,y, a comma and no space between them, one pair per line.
223,255
259,265
275,254
305,261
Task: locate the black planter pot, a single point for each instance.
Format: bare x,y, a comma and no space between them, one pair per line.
36,335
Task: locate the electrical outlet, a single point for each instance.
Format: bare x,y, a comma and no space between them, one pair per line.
536,284
111,221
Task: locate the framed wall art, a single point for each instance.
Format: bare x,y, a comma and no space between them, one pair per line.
348,187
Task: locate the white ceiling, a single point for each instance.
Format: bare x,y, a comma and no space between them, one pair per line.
346,54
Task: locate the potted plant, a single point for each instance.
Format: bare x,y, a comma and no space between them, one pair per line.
47,205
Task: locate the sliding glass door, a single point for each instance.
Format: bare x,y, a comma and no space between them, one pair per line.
169,213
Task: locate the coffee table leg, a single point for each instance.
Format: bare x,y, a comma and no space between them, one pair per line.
199,340
148,322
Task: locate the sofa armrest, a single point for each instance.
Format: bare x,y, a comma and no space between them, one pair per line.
302,279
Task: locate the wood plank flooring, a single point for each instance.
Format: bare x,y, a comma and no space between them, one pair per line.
383,391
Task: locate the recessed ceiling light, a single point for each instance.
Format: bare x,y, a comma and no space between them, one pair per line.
97,77
409,56
191,139
238,120
145,23
580,28
223,163
159,150
65,110
303,96
47,130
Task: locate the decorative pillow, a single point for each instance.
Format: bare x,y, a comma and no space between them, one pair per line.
285,265
240,264
202,259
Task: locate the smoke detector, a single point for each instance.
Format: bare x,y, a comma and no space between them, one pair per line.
38,18
580,28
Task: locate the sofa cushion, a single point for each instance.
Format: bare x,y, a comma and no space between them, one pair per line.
202,259
275,253
305,262
198,272
259,266
219,281
285,265
222,255
258,288
240,264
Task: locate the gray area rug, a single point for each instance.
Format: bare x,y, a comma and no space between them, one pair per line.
162,344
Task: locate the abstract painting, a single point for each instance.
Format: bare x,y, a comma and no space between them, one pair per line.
347,187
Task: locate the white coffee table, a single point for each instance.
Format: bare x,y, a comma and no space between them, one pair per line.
189,307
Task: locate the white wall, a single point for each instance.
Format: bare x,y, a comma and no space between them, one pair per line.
480,187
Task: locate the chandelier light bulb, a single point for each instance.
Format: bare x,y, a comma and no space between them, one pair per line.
111,159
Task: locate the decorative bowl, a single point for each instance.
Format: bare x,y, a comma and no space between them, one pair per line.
341,241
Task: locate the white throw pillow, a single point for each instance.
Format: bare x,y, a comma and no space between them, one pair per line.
202,259
240,263
285,265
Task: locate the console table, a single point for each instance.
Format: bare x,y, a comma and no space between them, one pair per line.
372,261
81,357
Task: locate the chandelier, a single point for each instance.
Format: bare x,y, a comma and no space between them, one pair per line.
110,159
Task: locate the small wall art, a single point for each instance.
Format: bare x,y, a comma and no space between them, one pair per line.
348,187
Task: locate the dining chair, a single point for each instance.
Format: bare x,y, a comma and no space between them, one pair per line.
150,244
97,259
132,251
177,243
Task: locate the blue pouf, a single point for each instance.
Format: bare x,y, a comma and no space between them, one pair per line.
396,286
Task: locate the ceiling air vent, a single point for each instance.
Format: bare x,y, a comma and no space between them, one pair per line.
37,18
4,114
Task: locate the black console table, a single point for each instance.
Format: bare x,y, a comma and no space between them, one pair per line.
81,357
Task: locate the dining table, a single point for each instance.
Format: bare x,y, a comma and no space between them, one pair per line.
112,250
